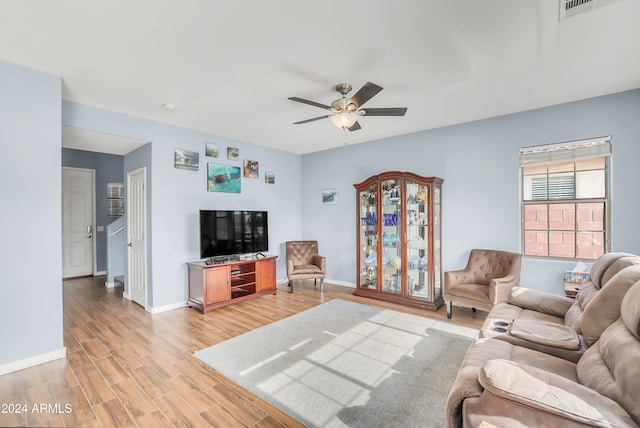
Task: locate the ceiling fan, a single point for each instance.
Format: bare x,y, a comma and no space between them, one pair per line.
345,112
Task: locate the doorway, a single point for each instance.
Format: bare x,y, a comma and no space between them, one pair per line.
78,222
136,235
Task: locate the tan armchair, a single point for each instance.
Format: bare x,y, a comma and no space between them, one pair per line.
304,262
487,280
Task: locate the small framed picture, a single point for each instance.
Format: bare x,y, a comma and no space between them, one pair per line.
330,196
250,168
233,153
211,150
269,177
184,159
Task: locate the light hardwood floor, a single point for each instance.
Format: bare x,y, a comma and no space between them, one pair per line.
126,367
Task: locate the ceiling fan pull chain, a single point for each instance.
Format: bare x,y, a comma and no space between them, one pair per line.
344,153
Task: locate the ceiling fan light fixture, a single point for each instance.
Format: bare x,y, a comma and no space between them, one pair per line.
344,119
344,112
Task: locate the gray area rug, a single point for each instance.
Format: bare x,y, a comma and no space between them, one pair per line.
347,364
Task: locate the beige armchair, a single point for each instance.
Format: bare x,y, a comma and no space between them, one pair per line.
304,262
487,280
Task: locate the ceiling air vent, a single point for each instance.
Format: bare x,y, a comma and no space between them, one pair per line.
569,8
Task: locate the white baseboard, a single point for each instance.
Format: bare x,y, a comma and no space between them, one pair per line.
326,281
100,273
165,308
109,284
343,283
32,361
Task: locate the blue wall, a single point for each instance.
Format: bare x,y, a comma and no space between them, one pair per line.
479,162
109,168
175,196
30,217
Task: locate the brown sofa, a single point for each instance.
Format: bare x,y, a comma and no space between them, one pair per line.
561,326
505,384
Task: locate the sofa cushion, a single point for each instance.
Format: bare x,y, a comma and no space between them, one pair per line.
471,292
539,389
302,269
604,308
612,368
540,302
544,333
572,318
489,264
617,266
605,268
630,311
600,273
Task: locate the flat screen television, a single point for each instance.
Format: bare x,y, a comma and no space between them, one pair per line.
226,233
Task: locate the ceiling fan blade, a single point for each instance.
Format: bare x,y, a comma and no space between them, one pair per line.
311,103
365,94
395,111
354,127
311,120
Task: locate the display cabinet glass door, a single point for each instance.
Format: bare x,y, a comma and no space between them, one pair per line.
368,211
391,236
418,239
437,247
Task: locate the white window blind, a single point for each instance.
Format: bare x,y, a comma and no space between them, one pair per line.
558,188
572,150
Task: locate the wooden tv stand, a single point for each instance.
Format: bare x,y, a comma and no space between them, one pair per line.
228,280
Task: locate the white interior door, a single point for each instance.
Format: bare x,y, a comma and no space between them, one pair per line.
136,236
77,222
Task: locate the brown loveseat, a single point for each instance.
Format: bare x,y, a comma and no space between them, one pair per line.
509,385
553,324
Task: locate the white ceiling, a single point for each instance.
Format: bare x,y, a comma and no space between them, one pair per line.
92,141
229,66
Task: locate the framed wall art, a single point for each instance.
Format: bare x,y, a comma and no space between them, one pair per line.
184,159
233,153
330,196
250,168
211,150
269,177
223,178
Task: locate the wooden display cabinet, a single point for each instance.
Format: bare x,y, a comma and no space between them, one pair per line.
224,281
399,232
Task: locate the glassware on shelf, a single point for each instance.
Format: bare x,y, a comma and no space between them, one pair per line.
390,219
371,259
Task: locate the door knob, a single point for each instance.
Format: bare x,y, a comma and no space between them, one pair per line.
129,244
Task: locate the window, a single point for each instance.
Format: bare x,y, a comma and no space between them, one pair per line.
565,199
115,199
